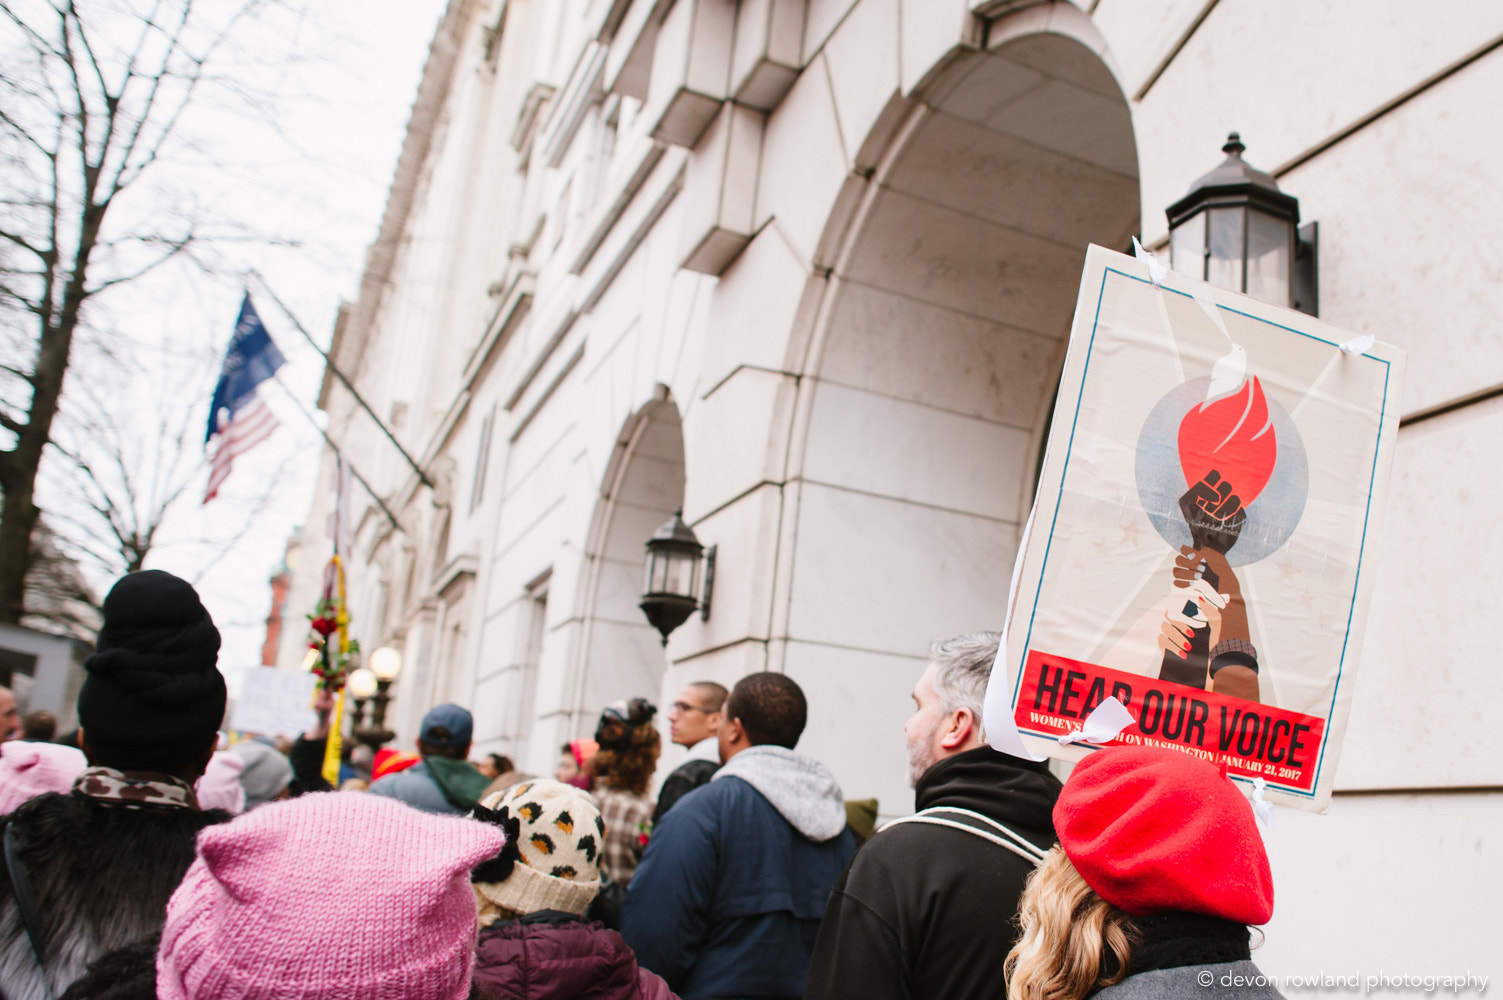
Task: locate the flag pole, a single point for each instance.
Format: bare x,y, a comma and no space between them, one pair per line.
337,451
422,476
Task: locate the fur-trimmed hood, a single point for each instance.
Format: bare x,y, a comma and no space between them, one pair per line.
102,874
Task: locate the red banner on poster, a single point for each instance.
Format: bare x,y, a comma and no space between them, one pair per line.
1251,740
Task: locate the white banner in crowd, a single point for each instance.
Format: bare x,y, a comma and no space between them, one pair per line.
274,702
1202,542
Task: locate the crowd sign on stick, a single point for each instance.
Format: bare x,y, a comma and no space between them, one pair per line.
1202,543
274,702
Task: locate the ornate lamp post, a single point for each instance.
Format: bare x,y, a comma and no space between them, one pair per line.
361,684
1236,229
385,665
671,590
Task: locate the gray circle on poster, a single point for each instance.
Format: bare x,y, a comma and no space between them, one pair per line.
1271,517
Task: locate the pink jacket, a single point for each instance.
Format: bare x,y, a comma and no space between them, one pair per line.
551,955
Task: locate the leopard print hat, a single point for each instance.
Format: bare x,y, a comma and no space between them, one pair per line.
557,833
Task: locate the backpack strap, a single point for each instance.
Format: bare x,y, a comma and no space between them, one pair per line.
26,897
978,825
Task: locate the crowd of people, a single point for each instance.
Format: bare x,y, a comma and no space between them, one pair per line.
143,861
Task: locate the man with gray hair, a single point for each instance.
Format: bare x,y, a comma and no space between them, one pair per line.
926,907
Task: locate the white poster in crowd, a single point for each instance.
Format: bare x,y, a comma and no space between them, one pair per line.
274,702
1205,526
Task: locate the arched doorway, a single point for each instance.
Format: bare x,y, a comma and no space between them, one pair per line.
620,654
931,376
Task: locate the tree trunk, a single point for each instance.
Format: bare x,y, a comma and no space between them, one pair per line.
18,516
18,468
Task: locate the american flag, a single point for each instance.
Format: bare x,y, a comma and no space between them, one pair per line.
238,418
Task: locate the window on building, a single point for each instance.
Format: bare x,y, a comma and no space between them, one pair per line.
493,36
482,459
522,707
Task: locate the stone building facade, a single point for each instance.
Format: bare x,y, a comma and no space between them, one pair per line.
805,268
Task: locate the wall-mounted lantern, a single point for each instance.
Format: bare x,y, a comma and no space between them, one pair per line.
672,588
1237,230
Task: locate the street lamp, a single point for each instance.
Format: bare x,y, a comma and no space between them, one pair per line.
360,684
671,590
385,664
1237,230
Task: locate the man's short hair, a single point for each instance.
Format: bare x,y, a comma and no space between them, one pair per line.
39,726
962,666
443,749
714,694
770,707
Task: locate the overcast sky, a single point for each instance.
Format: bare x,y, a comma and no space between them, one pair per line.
307,160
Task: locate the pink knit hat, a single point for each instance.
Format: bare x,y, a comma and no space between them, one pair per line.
220,787
31,769
331,896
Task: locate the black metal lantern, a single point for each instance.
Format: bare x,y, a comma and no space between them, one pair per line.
1237,230
671,590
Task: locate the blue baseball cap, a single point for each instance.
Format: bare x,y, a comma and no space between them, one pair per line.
447,726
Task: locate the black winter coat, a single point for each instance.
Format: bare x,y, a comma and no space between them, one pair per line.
926,911
685,778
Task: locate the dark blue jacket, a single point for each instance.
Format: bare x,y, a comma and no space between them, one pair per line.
727,900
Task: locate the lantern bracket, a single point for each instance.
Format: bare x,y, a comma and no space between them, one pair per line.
704,604
1307,269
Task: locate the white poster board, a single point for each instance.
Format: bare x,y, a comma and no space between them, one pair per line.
1216,476
274,702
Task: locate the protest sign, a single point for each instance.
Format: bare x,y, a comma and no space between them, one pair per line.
1204,529
274,702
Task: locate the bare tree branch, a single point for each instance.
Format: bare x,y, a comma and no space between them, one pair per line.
92,97
23,133
21,242
174,247
36,40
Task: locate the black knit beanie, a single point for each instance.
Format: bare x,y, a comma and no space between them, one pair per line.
154,697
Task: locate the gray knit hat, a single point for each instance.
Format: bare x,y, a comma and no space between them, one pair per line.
267,773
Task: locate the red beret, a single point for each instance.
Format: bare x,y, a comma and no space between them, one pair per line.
1153,830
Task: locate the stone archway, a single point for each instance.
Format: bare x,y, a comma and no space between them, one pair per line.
620,655
931,374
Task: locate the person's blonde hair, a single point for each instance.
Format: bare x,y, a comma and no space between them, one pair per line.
1067,932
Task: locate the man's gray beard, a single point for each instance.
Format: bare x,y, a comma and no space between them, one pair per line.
919,759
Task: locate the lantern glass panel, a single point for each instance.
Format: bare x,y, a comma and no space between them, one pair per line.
655,572
1224,264
1187,246
1268,248
682,569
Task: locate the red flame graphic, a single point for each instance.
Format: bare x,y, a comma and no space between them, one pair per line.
1232,436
